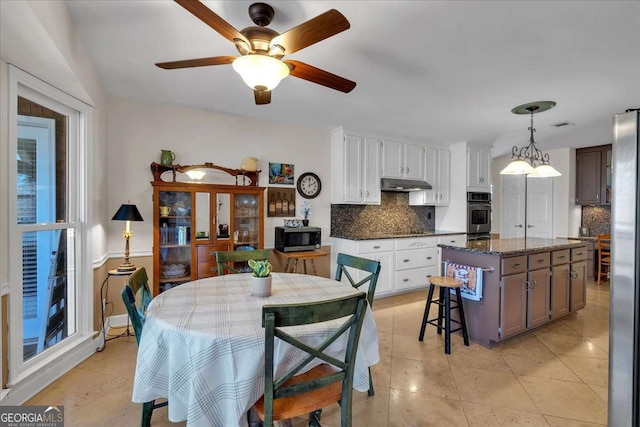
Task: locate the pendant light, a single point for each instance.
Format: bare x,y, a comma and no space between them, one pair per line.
529,160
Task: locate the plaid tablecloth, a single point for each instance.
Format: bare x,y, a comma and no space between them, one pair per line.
202,346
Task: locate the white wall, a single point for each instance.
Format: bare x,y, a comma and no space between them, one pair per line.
139,130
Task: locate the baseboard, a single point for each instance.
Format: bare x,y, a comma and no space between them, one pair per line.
20,392
118,321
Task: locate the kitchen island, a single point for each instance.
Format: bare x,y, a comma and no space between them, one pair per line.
526,284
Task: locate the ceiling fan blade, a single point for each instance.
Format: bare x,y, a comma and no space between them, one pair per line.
312,31
321,77
262,97
210,18
198,62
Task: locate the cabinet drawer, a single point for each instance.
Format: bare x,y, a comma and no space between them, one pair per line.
459,240
207,266
540,260
416,243
373,246
578,254
560,257
513,265
416,258
414,278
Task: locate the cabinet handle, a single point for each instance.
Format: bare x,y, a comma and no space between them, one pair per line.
405,260
429,257
561,257
535,284
360,193
598,196
519,226
540,260
407,170
405,280
515,265
527,285
530,226
580,253
481,179
376,247
440,195
402,169
367,193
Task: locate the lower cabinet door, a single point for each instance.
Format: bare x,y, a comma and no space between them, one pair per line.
578,285
560,291
538,298
414,278
513,305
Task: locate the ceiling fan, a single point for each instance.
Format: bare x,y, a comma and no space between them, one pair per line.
262,48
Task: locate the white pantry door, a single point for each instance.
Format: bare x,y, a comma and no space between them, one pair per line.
514,191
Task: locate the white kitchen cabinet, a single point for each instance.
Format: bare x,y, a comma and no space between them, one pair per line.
355,168
406,263
438,174
402,160
377,250
478,168
416,259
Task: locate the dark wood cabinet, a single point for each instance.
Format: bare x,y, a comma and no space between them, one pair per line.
513,307
538,300
578,285
593,175
193,220
560,291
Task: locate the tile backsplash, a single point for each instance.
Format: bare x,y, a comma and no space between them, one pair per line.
393,214
597,218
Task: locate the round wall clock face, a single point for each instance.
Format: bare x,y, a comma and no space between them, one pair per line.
309,185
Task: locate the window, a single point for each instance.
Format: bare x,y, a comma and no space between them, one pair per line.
50,311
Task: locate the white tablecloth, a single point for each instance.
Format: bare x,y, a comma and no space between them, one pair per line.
202,346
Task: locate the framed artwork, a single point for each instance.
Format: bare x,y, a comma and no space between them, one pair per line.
281,173
281,202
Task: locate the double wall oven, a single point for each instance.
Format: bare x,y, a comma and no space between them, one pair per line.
478,216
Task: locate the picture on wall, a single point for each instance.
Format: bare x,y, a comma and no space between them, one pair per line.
281,173
281,202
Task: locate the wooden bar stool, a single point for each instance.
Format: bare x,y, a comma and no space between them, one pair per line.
444,310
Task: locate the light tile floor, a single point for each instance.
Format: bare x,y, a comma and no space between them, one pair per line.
556,376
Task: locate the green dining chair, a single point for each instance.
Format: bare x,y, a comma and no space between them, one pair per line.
294,394
137,287
225,259
371,280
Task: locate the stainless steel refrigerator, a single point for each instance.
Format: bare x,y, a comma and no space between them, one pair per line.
624,339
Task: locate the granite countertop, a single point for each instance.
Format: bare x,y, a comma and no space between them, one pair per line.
504,247
395,235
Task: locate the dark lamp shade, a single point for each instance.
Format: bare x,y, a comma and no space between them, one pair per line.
127,213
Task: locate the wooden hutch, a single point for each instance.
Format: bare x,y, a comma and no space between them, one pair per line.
198,210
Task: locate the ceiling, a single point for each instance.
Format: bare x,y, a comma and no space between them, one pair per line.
440,71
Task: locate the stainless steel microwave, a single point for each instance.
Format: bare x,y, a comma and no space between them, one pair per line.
293,239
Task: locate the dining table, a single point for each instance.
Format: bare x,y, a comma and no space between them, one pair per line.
202,345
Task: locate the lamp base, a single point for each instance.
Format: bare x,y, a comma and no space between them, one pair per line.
126,266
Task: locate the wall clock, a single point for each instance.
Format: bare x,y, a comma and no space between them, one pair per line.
309,185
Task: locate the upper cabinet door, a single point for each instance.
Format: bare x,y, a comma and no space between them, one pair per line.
414,161
593,175
478,168
444,177
392,159
371,171
353,146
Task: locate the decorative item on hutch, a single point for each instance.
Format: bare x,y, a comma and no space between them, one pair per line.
167,157
194,220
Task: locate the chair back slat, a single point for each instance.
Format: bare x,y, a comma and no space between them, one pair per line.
363,264
276,317
136,297
224,259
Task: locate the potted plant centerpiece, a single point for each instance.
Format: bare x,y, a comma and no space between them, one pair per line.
305,209
261,280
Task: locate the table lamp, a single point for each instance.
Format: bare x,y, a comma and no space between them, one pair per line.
127,213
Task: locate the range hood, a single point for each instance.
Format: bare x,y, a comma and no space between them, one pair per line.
403,185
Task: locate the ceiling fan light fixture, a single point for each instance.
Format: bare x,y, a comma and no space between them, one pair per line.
260,71
529,160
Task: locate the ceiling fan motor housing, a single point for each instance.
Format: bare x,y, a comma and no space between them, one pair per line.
261,14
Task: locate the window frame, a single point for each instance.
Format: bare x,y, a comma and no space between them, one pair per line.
80,116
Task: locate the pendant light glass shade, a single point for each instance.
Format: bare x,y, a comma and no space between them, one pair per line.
544,171
260,72
517,167
196,174
529,160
